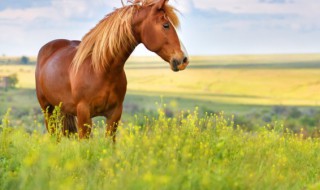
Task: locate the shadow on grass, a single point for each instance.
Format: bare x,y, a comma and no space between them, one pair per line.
21,101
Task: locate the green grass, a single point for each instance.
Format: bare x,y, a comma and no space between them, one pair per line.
166,149
185,152
249,86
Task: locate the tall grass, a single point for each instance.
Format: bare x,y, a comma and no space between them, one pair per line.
185,152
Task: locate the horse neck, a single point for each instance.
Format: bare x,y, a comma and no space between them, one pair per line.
117,62
120,59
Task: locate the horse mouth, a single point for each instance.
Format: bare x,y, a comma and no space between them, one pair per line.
175,69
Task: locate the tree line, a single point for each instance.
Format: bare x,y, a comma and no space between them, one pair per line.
23,60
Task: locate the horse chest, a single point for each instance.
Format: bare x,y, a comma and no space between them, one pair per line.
105,103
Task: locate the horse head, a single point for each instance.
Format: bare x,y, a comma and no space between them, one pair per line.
154,25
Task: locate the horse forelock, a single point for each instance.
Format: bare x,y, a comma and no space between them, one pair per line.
112,35
169,10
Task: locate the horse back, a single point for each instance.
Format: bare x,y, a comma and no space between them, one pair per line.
51,47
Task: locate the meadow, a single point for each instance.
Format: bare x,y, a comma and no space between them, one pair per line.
227,122
256,89
185,152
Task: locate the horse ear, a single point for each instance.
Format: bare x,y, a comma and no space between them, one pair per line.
160,5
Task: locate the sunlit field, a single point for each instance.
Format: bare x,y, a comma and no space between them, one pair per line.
226,122
247,80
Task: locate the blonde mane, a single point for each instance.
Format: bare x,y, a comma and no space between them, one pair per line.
112,34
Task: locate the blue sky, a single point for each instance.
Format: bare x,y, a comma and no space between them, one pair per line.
209,27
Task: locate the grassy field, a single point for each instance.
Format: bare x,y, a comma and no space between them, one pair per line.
290,80
253,80
265,139
185,152
240,85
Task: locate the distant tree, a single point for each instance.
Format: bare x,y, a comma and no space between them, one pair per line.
25,60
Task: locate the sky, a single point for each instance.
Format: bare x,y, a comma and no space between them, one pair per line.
208,27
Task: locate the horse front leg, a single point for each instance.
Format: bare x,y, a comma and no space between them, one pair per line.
112,123
84,120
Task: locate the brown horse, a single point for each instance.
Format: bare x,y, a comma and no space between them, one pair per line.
88,77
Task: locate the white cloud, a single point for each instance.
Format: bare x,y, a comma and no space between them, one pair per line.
30,27
25,15
114,3
68,9
298,7
295,14
184,6
58,10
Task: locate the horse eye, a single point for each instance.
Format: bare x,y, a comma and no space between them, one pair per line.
166,25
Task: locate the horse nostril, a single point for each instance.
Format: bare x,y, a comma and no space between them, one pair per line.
175,63
185,60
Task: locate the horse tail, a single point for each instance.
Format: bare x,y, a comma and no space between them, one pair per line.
69,125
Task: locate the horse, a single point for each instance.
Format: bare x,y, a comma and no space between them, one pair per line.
87,77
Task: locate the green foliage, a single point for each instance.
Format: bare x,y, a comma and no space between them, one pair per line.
183,152
7,60
12,81
4,123
25,60
8,82
55,122
167,149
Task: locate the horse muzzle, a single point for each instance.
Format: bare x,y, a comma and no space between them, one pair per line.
179,64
